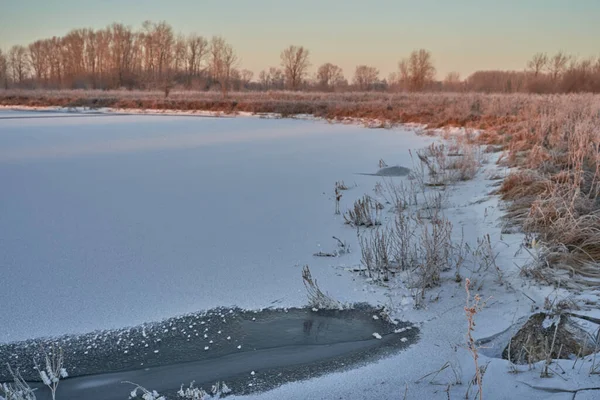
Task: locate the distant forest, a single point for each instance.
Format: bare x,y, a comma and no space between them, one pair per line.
155,57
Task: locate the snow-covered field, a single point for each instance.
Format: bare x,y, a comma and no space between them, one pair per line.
112,220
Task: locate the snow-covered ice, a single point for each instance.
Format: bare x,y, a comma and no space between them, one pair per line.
111,221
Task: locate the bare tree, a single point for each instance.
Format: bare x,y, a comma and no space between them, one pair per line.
38,60
164,40
158,52
329,76
91,56
557,65
245,78
277,78
222,61
537,63
295,63
197,49
55,59
3,70
452,78
179,55
264,79
17,59
497,81
121,51
400,80
403,72
416,71
420,69
393,80
452,81
365,77
273,78
102,41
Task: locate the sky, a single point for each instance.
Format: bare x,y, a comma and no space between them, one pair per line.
462,35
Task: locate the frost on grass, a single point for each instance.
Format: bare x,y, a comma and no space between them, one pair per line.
192,392
50,373
18,390
365,212
554,194
316,297
342,248
443,165
53,371
419,244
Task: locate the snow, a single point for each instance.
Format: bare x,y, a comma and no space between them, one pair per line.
115,220
550,321
588,395
509,298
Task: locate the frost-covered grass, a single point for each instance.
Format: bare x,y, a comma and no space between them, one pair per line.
54,372
554,195
50,372
191,392
500,114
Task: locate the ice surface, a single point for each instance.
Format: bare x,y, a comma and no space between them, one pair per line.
110,221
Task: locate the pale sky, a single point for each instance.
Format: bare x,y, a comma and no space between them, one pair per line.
462,35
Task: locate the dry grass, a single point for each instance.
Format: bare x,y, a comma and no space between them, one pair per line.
473,306
365,212
316,297
418,244
441,165
497,111
556,198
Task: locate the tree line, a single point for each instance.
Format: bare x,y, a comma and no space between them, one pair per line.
155,57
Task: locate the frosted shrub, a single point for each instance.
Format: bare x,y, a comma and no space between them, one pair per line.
316,297
53,370
196,393
436,248
376,251
365,212
144,393
444,166
192,392
18,390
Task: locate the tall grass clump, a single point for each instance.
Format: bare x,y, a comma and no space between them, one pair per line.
554,195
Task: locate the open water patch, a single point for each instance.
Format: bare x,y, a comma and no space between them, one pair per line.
249,350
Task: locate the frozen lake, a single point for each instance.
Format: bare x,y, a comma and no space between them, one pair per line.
111,221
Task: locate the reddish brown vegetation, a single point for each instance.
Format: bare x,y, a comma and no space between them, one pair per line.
555,196
497,113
